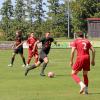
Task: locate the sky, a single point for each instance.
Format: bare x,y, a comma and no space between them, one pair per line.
1,1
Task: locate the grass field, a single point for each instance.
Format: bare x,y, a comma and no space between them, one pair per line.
15,86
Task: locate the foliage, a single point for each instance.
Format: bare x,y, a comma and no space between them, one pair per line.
19,10
29,10
40,16
58,17
7,14
81,10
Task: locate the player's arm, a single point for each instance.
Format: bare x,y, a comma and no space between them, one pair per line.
93,56
14,45
38,41
19,45
54,41
35,44
72,56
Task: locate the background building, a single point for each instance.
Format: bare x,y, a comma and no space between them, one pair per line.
93,27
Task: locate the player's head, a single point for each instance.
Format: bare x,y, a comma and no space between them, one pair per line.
80,34
47,34
32,34
18,32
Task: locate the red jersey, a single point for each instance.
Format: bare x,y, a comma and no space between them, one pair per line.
82,46
31,41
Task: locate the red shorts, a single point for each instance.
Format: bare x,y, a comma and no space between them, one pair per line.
82,63
31,54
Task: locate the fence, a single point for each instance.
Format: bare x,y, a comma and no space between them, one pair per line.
60,44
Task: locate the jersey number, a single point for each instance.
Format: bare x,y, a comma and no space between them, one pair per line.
84,45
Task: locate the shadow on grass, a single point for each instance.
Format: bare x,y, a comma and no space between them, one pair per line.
62,75
94,93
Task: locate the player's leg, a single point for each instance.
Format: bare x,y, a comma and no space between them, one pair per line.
30,55
23,58
32,67
86,68
40,60
20,51
28,61
36,56
85,76
75,76
77,80
12,59
44,66
43,58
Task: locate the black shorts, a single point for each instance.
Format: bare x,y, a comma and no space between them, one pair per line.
19,50
42,56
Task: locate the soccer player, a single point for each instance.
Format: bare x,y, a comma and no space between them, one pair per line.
46,45
31,41
18,48
82,46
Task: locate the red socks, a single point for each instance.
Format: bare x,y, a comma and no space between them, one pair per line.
28,60
85,80
36,60
76,78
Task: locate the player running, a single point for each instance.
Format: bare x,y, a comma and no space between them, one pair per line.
31,41
46,45
82,46
18,48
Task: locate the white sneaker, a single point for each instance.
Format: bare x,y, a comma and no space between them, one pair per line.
23,65
10,65
82,89
27,65
82,85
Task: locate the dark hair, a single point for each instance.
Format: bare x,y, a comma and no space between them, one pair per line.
32,32
80,34
19,31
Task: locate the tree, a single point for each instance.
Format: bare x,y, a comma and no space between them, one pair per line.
38,15
97,13
20,17
58,16
20,10
53,14
38,11
29,10
81,10
7,14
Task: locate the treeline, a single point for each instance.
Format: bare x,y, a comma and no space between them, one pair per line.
40,16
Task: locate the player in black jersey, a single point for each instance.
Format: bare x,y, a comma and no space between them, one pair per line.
46,45
18,48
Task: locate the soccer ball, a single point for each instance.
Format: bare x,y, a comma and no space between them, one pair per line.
51,74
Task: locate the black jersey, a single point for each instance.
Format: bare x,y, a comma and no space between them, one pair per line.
18,40
46,44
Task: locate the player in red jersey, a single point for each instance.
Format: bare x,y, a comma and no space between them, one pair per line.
31,41
18,48
82,46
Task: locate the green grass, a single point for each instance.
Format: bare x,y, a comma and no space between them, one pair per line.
15,86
